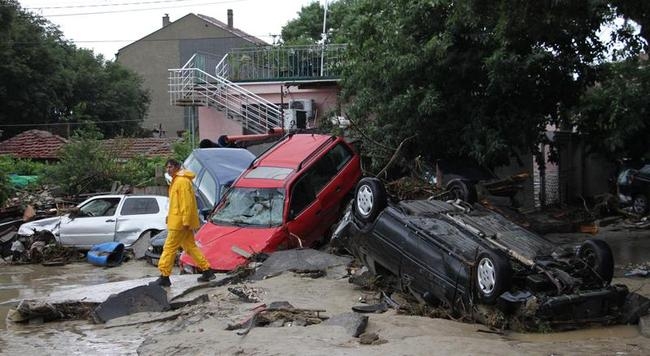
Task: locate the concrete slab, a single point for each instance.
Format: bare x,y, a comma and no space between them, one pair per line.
98,293
146,298
76,302
298,260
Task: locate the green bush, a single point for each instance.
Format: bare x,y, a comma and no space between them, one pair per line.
84,165
5,188
23,167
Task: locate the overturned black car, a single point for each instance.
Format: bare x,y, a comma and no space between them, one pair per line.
456,255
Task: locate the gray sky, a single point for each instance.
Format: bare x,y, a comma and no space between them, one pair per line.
108,25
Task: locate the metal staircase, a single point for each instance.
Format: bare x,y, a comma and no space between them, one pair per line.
192,85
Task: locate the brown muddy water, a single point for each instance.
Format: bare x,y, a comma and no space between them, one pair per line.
19,282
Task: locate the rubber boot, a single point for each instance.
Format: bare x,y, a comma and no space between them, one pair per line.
163,281
207,275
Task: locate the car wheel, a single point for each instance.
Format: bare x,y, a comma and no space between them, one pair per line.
598,256
461,190
493,276
369,199
640,204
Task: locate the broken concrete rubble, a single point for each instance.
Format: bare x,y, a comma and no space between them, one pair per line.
147,298
135,295
354,323
298,260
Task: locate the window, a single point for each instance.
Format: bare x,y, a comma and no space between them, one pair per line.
208,188
328,166
193,164
139,206
303,193
99,207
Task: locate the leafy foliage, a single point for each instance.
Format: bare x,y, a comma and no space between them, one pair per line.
469,78
44,79
85,166
307,28
183,148
19,166
613,115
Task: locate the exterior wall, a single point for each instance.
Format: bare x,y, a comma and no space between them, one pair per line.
213,123
171,47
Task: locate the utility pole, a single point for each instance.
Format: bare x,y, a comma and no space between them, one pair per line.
324,39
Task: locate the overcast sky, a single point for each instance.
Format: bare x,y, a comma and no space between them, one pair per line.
108,25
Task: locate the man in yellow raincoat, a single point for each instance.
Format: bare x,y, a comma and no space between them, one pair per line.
182,221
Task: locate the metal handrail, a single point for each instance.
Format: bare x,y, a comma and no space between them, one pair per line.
191,85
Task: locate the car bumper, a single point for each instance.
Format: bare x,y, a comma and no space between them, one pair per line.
592,305
152,257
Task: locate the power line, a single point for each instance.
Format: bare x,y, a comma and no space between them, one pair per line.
69,123
141,9
104,5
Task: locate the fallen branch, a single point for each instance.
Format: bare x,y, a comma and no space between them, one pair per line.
395,155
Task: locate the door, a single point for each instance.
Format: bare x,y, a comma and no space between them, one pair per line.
95,223
331,183
304,211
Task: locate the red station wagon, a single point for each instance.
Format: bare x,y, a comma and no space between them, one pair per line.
289,197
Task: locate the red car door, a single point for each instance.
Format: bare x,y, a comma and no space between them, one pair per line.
304,211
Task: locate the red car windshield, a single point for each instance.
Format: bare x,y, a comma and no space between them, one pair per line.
250,207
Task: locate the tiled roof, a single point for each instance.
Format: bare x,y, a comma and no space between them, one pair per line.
34,144
129,147
234,31
38,144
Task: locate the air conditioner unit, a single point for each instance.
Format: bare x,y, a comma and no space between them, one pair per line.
306,105
295,119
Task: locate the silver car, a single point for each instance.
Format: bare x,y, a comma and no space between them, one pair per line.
105,218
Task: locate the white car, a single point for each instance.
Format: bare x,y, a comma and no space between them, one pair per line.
105,218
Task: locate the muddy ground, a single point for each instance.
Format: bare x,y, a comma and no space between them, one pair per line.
201,329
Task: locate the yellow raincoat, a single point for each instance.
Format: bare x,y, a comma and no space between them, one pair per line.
182,220
183,212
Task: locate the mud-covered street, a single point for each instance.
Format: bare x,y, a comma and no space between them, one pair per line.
202,328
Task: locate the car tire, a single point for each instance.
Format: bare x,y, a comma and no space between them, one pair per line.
598,256
369,199
640,204
493,276
458,189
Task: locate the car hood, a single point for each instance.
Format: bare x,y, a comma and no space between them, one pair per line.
218,242
49,224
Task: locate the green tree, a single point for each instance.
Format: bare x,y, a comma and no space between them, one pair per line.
469,78
45,79
307,28
613,114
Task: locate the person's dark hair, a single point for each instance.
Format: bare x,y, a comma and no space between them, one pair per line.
172,162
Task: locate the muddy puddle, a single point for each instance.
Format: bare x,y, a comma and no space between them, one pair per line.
31,281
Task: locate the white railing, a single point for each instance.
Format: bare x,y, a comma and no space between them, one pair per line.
191,85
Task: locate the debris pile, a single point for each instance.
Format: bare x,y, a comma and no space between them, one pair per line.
278,314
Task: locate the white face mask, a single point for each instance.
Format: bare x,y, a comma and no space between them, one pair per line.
168,178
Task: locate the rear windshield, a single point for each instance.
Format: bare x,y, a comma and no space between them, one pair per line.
250,207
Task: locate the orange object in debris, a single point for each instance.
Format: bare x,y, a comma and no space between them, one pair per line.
29,213
589,228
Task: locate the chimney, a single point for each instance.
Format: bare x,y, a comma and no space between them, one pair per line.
229,18
166,20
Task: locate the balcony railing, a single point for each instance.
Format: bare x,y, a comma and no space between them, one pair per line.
283,63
